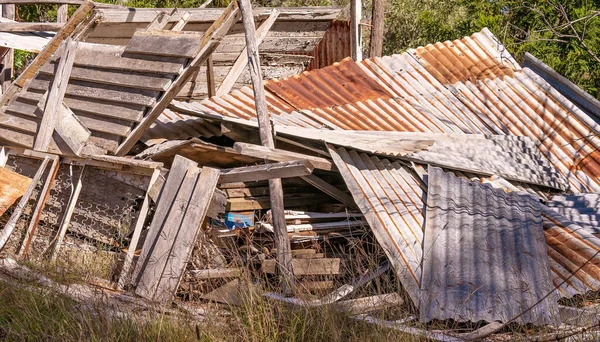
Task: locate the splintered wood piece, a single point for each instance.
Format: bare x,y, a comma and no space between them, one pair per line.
216,273
56,95
165,43
240,63
295,168
39,207
302,267
16,215
182,22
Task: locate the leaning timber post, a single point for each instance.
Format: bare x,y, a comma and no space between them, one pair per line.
377,28
355,31
282,242
8,12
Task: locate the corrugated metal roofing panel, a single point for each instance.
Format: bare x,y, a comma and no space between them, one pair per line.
581,209
501,268
391,198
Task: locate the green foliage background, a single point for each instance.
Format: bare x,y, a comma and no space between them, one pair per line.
565,34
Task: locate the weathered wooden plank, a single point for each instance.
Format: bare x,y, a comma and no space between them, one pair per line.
187,233
114,58
182,22
176,176
274,154
71,130
210,77
29,27
17,123
216,273
209,43
161,20
165,43
262,203
16,215
151,278
290,169
242,60
115,77
98,91
302,267
62,13
56,93
39,207
13,138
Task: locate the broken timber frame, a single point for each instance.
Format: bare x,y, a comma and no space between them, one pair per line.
211,40
282,242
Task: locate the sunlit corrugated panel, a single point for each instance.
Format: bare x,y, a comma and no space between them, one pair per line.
581,209
485,255
391,198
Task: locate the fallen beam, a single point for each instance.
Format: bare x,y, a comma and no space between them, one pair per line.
274,154
216,273
297,168
302,267
30,27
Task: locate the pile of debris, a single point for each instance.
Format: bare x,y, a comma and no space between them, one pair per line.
471,182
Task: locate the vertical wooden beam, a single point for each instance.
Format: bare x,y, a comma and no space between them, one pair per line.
14,218
282,242
8,11
377,21
57,242
355,17
62,13
56,95
242,60
37,213
210,77
137,231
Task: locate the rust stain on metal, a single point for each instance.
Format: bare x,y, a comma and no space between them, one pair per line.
339,84
12,187
334,47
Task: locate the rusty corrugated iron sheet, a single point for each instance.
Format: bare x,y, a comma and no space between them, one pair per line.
474,87
12,186
334,47
485,255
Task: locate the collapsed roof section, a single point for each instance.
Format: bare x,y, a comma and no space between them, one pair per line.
471,85
129,64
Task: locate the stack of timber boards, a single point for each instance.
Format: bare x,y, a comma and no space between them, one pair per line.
110,89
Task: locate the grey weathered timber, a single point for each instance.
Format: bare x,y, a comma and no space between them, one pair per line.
216,273
62,13
165,43
356,33
113,57
29,27
190,229
500,266
66,220
182,22
16,215
178,231
8,11
161,20
252,173
279,155
56,95
282,242
209,43
39,207
68,127
115,77
242,61
165,199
